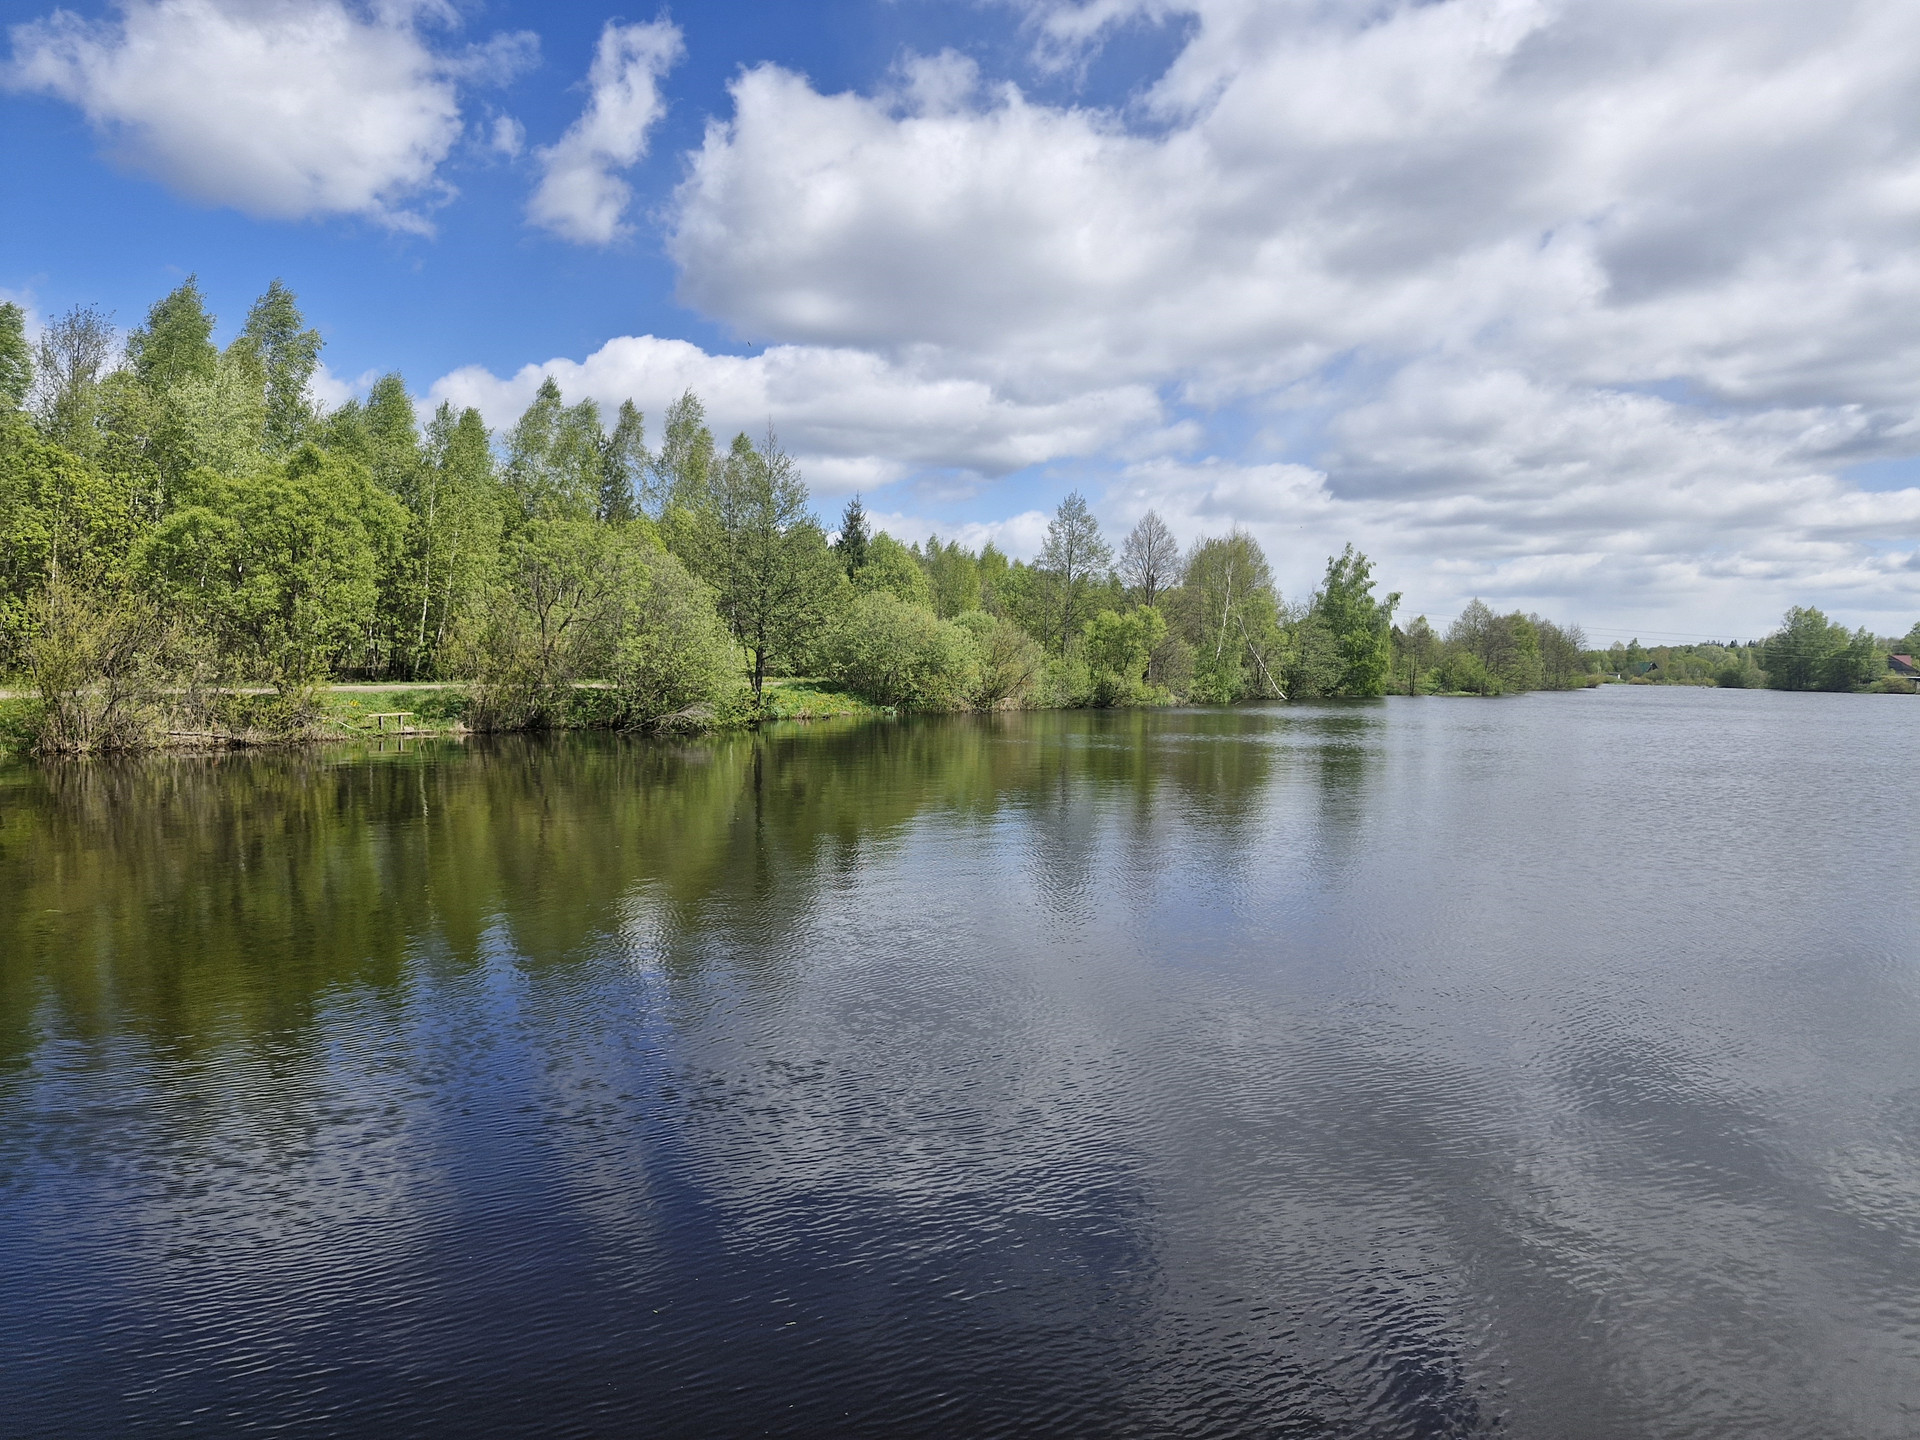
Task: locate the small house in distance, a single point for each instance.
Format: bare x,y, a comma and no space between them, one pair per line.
1903,666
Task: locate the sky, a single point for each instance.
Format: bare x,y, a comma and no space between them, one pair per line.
1605,309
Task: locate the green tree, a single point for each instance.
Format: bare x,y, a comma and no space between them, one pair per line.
567,592
287,353
556,456
683,469
60,517
75,354
16,357
1118,646
1415,648
1073,558
1811,652
176,343
455,538
851,543
953,576
892,569
1229,614
764,555
624,466
1361,626
281,570
1008,662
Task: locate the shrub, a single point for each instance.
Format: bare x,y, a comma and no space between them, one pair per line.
893,653
1008,661
675,664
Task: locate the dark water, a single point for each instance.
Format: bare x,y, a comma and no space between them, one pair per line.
1546,1067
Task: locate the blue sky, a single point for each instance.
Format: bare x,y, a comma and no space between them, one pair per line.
1607,310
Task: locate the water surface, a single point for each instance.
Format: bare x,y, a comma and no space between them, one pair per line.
1538,1068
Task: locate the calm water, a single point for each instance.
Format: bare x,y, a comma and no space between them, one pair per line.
1545,1067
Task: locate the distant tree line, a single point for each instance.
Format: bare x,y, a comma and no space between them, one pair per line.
180,524
1807,652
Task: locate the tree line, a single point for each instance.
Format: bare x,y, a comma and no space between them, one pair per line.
183,525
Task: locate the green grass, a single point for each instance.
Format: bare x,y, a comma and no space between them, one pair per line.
810,700
435,710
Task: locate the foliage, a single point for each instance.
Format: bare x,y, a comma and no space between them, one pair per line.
59,516
851,543
566,595
1228,612
1072,561
287,353
892,569
16,357
1359,626
673,664
765,556
1811,652
1117,648
1008,662
95,654
894,653
281,570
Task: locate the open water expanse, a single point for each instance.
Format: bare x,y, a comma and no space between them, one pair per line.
1545,1067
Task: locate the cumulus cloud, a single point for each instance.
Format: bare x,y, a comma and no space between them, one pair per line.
1597,299
280,108
581,196
855,420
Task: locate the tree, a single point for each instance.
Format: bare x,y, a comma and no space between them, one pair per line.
281,570
892,568
1811,652
953,574
456,531
764,555
1361,627
393,437
1117,647
1417,646
1507,646
624,466
851,543
16,357
75,351
1229,613
60,517
1150,557
1072,556
684,467
1563,664
567,591
556,457
176,343
287,354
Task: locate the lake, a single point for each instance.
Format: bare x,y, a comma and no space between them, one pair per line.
1543,1067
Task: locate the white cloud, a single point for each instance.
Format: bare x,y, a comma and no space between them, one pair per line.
580,196
855,420
509,136
330,391
283,110
1598,299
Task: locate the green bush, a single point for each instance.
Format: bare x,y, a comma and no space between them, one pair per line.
893,653
1008,662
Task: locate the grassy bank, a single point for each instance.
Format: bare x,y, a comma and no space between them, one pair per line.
367,712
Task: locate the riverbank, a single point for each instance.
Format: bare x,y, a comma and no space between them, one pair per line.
410,710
